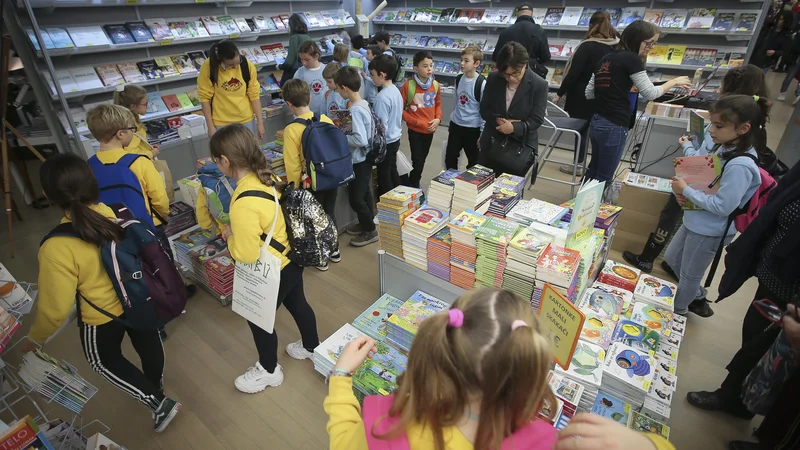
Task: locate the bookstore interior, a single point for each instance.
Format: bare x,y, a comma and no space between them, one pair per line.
465,229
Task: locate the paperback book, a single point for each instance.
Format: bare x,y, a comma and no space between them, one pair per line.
702,18
653,16
586,16
402,326
140,31
571,16
674,18
553,16
630,15
746,21
159,29
327,353
724,21
86,78
60,38
119,34
109,74
372,321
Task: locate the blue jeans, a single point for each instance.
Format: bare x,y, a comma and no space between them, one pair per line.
608,144
787,80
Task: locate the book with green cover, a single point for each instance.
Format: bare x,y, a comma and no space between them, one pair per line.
378,374
584,212
373,320
185,101
419,307
468,221
497,231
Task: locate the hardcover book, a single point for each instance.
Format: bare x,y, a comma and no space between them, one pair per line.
644,424
184,100
109,74
699,172
228,25
587,364
150,69
119,34
598,329
601,303
331,348
655,318
199,28
553,16
276,20
180,30
539,14
379,373
48,43
264,23
412,312
285,20
140,31
155,104
159,29
653,16
66,81
631,367
242,25
197,57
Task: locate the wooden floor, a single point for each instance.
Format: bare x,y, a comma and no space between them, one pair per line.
210,346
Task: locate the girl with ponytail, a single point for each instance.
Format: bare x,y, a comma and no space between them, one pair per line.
236,153
134,98
70,264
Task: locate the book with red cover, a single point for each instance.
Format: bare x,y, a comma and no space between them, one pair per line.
556,49
172,102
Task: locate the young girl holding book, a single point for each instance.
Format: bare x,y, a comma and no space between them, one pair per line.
735,126
236,153
134,98
311,73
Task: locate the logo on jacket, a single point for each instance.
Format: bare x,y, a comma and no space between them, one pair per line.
316,86
232,85
333,107
463,99
604,67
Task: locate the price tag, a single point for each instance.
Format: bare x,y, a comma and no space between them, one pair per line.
132,2
199,1
166,41
233,36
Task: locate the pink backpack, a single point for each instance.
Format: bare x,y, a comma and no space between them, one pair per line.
538,435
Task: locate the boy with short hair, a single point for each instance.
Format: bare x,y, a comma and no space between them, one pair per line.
370,89
297,95
348,82
422,113
388,106
382,39
466,122
333,101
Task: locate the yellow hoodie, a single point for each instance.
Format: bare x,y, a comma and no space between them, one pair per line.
155,193
229,98
204,217
67,265
138,146
293,158
250,218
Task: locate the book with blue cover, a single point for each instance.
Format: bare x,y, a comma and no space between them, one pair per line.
155,104
372,321
612,408
60,38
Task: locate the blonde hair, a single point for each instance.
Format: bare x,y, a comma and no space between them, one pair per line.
475,51
130,95
330,70
240,146
104,121
448,366
341,53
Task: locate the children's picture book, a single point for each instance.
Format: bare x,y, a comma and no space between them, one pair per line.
331,348
702,18
724,21
172,102
699,172
372,321
675,54
119,34
378,374
180,30
598,329
631,366
630,15
185,101
167,67
746,21
571,16
553,16
614,14
130,72
184,63
140,31
150,69
584,211
13,295
667,351
241,24
199,29
159,29
412,312
637,336
586,16
674,18
602,303
109,74
652,317
642,423
586,365
611,408
155,104
565,388
653,16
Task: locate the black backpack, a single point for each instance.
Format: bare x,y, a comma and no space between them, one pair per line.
244,64
478,85
400,75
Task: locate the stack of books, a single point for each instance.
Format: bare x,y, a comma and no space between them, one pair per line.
463,251
327,353
372,321
377,375
202,253
534,210
619,275
524,251
491,241
606,217
598,329
440,191
417,228
570,392
472,189
55,380
559,267
181,217
628,374
637,336
651,316
439,254
510,182
219,271
507,193
402,326
597,300
184,242
393,207
656,292
586,368
643,424
274,155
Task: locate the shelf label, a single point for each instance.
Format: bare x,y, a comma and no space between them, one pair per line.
199,1
233,36
132,2
165,41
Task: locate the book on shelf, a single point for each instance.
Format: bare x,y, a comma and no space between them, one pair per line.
140,31
614,14
276,20
736,60
264,23
674,18
285,20
612,408
48,43
155,104
193,97
700,173
320,19
212,25
184,100
539,14
172,102
86,78
166,66
150,69
197,57
65,80
704,57
653,16
476,15
630,15
586,16
119,34
723,21
198,29
258,54
569,47
159,29
311,20
183,63
109,74
675,54
463,17
702,18
179,30
227,25
60,38
504,16
78,116
329,20
571,16
242,25
746,21
553,16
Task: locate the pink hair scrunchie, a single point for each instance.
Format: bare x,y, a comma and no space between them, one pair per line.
518,323
456,317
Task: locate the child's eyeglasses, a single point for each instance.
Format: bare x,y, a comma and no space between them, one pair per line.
131,128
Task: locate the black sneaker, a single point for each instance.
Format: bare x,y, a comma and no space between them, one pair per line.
165,413
354,229
335,257
701,307
323,267
712,401
162,333
191,289
669,270
365,238
744,445
633,259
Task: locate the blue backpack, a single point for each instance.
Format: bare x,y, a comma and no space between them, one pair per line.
119,185
327,154
146,281
219,191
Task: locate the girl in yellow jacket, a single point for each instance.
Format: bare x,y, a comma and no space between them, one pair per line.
134,98
70,265
225,96
236,153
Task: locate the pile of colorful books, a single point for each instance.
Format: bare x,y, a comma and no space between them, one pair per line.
440,191
534,210
274,154
372,321
619,275
417,228
524,251
463,251
393,207
439,254
219,271
507,193
184,242
492,240
656,292
606,217
181,217
628,373
569,392
201,254
472,190
402,326
559,267
586,368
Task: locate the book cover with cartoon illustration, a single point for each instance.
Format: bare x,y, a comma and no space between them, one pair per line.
372,321
401,195
419,307
565,388
586,365
656,292
559,259
611,408
530,242
598,329
497,231
331,348
427,218
631,366
640,422
601,302
378,374
468,221
637,336
658,319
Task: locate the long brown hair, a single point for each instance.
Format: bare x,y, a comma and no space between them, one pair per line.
600,27
68,182
240,146
740,109
485,358
128,96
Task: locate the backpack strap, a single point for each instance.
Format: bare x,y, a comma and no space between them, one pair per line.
376,417
127,160
245,65
479,87
412,91
261,194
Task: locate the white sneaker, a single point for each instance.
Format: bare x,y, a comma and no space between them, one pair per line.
796,100
781,96
297,351
256,379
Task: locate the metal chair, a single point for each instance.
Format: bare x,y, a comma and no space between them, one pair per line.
579,128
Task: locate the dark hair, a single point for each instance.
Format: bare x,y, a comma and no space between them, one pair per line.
297,92
297,25
309,48
225,49
357,42
634,34
384,64
788,20
422,55
382,36
739,109
513,55
749,80
600,26
69,183
348,77
374,49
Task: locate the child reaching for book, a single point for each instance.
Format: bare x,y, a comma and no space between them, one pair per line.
735,121
134,98
311,73
476,378
333,101
598,433
423,112
253,215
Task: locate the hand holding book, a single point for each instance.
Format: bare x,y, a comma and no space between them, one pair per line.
595,430
678,185
354,354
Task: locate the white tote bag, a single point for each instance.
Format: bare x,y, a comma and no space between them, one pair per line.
255,286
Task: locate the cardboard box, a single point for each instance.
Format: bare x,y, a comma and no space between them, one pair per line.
641,209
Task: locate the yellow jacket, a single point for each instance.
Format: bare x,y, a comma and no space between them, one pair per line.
293,158
346,428
250,218
229,98
138,146
155,194
204,217
66,265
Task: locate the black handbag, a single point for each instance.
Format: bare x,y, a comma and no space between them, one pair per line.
509,155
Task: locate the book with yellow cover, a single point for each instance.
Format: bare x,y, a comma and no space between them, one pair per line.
658,54
675,54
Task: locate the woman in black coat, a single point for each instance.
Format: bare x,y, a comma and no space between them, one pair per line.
774,42
513,106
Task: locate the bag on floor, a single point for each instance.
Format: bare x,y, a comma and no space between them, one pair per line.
376,150
219,191
312,233
327,154
146,281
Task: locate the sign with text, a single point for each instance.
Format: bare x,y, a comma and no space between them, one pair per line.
561,322
255,289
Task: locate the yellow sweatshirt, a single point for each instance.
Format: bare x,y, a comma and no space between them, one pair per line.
138,146
346,428
204,217
250,218
66,265
155,194
293,148
229,98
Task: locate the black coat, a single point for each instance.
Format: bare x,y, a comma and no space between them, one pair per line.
528,106
771,39
584,63
528,33
744,252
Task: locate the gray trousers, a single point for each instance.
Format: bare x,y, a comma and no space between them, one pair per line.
689,254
